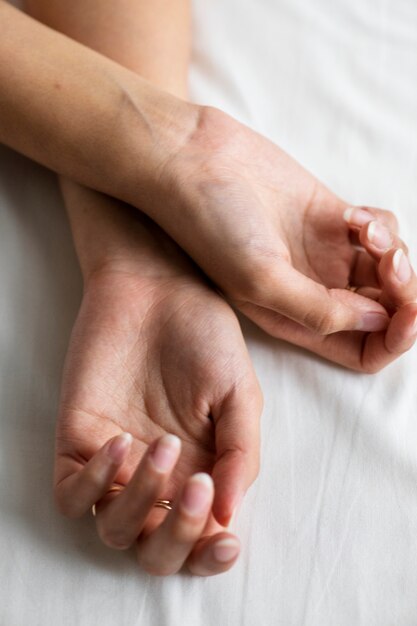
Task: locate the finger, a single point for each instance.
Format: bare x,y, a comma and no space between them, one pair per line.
377,239
356,217
325,311
75,494
364,271
237,432
380,349
370,292
364,353
399,282
164,551
121,520
213,555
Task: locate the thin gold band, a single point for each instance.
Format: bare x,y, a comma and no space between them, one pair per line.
351,288
163,504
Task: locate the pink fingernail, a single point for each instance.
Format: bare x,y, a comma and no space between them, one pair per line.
357,216
373,322
235,511
119,447
197,494
412,328
225,550
166,452
401,266
379,236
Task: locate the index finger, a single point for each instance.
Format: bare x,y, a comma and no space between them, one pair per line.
76,492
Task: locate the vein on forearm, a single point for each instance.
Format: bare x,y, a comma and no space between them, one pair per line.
77,112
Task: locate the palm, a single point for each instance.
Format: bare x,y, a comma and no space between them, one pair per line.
318,244
278,245
149,361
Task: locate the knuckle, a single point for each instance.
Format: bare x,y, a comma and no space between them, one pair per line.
255,283
322,322
186,529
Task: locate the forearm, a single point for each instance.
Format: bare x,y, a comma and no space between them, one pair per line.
151,39
81,114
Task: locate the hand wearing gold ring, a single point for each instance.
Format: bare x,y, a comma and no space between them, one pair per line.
163,504
157,354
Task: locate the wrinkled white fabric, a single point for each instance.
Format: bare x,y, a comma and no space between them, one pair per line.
329,529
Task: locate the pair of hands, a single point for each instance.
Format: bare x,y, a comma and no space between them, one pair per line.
156,351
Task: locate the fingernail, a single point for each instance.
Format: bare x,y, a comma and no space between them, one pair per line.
412,327
166,452
379,236
225,550
235,511
197,493
401,266
357,216
119,447
372,322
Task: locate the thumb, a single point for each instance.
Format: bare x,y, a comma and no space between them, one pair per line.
318,308
237,449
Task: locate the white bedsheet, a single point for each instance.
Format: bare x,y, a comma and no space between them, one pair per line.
329,530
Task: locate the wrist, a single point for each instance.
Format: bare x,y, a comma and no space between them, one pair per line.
110,237
102,125
169,122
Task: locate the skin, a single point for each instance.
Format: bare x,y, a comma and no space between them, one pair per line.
154,350
265,230
279,216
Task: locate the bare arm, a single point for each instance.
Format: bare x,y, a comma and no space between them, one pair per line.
82,114
264,229
151,39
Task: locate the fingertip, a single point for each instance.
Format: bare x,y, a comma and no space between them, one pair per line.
401,266
398,280
214,555
164,453
226,550
226,508
222,510
372,322
412,327
118,448
357,216
376,238
347,214
402,332
236,509
230,476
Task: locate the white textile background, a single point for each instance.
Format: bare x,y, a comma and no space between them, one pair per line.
329,530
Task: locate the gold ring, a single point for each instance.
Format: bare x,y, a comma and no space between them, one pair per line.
351,288
114,488
163,504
